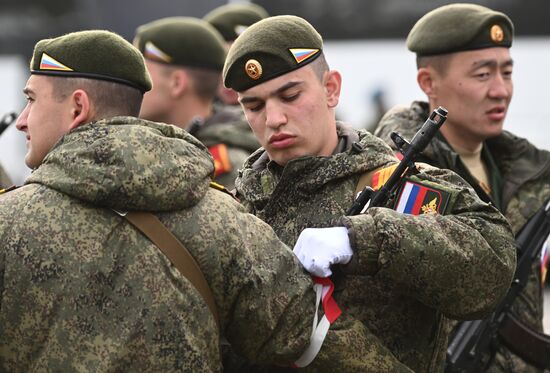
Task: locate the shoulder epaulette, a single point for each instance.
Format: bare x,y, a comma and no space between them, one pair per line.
222,164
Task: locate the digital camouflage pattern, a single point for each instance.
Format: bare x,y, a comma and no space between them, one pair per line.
82,290
409,274
228,126
526,174
4,179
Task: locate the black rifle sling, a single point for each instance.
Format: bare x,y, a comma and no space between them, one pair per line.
175,251
531,345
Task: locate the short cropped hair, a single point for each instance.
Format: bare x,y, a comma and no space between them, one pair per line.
205,82
320,66
110,98
439,62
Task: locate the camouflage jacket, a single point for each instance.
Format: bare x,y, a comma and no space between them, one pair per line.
525,172
4,179
409,273
82,290
230,140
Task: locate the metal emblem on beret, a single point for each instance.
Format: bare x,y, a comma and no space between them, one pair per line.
253,69
497,35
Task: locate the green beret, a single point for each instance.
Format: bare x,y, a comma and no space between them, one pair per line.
93,54
232,19
460,27
270,48
183,41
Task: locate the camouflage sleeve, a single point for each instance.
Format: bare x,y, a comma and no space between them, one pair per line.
265,300
460,263
351,347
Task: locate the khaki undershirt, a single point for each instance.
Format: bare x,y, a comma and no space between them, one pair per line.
474,164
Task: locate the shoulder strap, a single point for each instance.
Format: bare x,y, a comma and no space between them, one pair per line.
531,345
174,250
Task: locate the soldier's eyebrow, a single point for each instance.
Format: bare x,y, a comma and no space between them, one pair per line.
491,63
27,91
276,92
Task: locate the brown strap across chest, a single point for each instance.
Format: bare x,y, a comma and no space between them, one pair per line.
531,345
176,252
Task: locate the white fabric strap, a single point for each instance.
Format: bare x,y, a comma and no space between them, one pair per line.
319,331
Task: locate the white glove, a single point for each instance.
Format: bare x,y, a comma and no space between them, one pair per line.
319,248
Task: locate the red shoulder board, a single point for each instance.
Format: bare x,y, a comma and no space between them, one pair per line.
222,164
417,198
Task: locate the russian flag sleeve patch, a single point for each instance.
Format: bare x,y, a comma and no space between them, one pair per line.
416,198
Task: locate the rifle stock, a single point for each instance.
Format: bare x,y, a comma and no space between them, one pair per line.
472,347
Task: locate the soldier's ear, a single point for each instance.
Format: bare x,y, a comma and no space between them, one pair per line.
333,84
426,82
179,82
81,108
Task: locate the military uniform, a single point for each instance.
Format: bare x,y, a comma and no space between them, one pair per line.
407,278
409,274
525,174
83,290
229,139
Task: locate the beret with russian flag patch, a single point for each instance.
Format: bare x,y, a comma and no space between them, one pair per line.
93,54
270,48
183,41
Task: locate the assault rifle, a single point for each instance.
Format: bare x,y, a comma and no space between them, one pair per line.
410,152
472,347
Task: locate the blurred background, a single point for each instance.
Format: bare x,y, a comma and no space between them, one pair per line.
365,40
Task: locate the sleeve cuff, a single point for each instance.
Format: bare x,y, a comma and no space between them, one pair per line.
366,251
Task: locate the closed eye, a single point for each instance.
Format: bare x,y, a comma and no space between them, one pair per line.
290,98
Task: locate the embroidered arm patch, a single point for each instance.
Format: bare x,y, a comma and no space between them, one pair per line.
416,198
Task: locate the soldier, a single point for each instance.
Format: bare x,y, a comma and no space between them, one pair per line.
464,64
185,56
231,20
408,275
81,288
